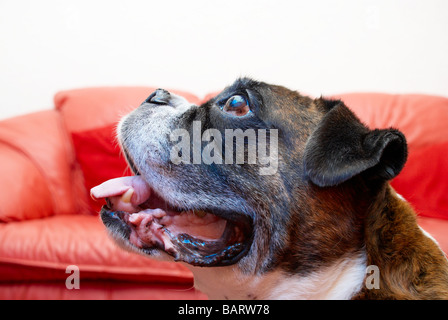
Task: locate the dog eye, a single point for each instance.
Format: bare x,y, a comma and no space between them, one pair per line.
237,106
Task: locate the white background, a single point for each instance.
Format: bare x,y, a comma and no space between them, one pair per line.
317,47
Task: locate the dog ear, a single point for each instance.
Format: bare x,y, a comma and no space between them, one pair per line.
341,148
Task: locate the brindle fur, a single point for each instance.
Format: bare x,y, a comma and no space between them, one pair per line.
330,196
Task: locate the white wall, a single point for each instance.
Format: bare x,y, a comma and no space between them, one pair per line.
323,46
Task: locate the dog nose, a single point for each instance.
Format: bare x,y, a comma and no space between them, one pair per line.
160,96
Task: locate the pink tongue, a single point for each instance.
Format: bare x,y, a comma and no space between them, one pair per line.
115,188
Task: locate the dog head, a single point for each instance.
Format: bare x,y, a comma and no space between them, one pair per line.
259,177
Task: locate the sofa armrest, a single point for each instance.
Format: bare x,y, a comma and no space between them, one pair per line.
41,147
24,192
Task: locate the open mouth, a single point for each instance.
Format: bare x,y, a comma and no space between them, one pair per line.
137,214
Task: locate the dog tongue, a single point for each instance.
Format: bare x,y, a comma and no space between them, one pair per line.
125,194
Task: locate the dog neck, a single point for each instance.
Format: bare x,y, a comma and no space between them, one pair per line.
341,280
411,263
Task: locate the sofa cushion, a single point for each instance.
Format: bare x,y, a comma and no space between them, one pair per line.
98,290
25,194
42,249
424,180
42,139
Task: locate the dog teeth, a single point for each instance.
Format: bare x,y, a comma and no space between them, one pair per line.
126,197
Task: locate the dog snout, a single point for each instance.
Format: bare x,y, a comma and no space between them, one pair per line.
160,96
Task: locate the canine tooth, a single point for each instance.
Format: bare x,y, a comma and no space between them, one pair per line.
199,213
126,197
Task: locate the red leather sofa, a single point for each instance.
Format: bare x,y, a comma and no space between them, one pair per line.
49,160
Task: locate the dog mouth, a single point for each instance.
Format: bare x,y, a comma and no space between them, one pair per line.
139,216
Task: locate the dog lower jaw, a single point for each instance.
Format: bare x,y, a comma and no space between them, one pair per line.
146,233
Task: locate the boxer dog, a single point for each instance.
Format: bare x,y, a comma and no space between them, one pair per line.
321,223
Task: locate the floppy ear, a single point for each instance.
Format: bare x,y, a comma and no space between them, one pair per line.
341,148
